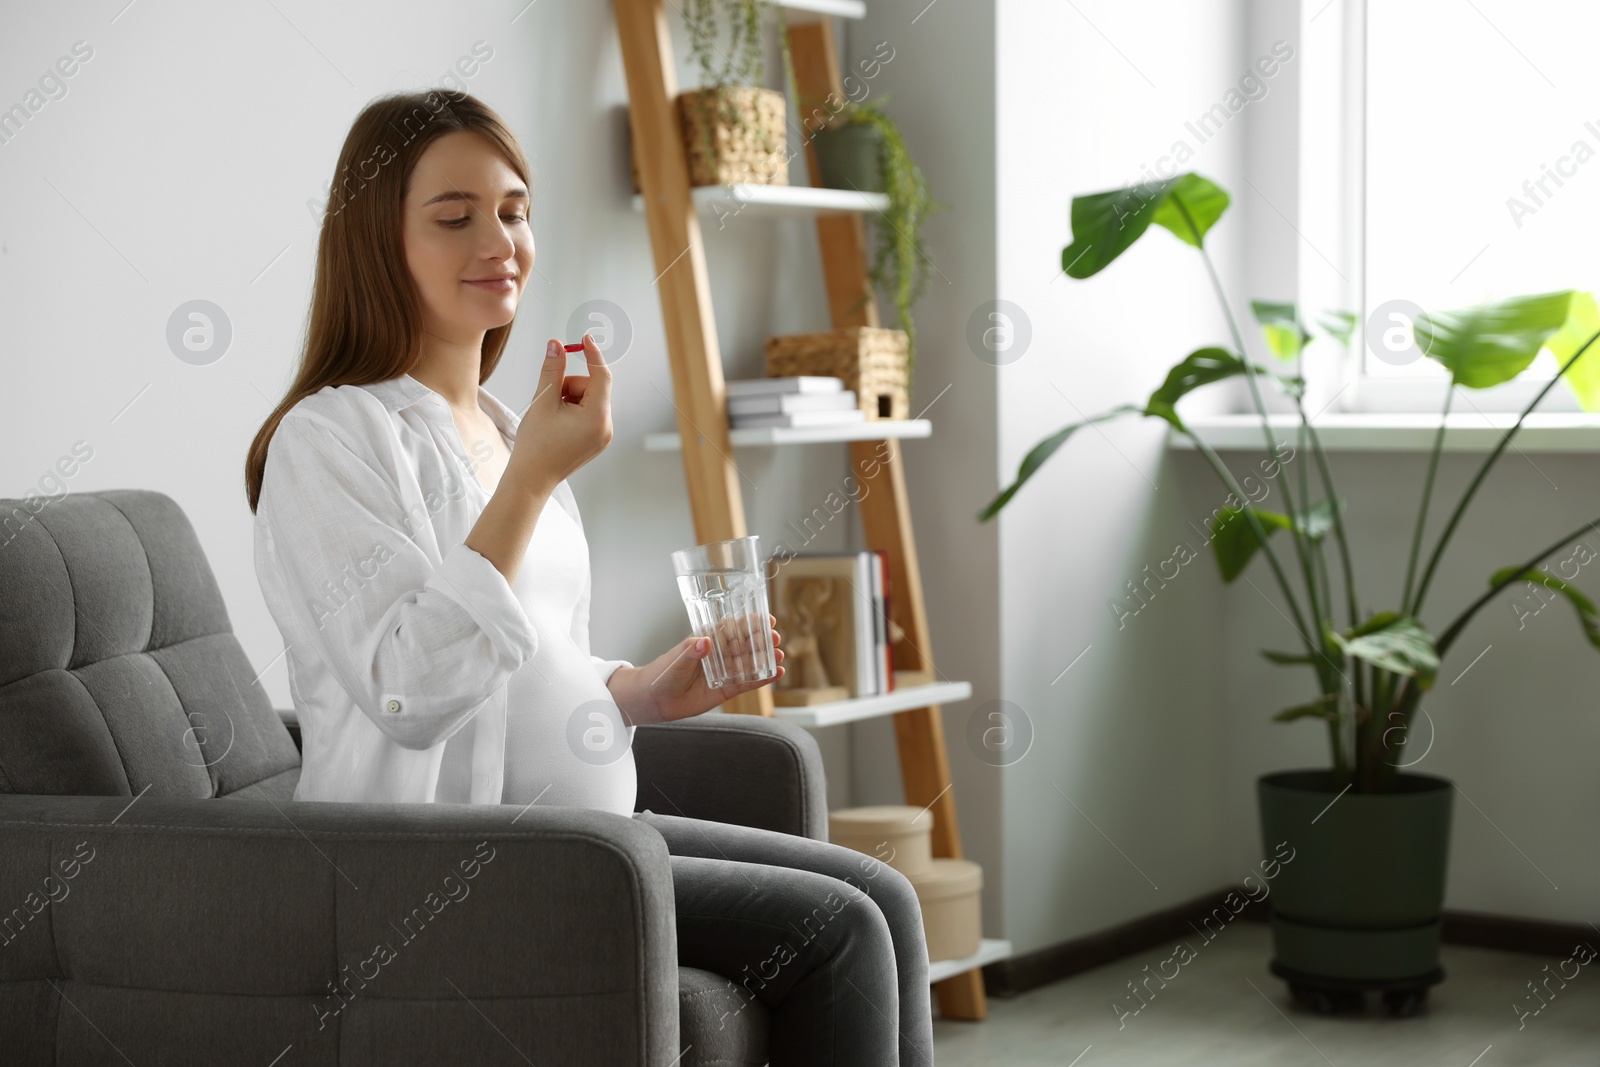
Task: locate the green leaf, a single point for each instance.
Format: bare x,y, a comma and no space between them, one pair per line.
1105,225
1588,617
1583,377
1317,520
1200,367
1325,706
1233,540
1393,642
1339,325
1041,452
1234,543
1288,657
1293,386
1491,343
1379,621
1280,325
1193,203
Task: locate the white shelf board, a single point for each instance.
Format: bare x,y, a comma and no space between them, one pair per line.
990,950
1389,432
866,430
911,696
724,203
844,9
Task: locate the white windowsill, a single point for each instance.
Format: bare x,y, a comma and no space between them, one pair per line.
1394,432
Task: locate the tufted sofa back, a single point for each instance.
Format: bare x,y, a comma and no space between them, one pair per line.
119,670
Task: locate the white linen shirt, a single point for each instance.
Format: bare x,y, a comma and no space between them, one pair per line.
398,636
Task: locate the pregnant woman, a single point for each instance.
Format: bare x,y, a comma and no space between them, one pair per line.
422,553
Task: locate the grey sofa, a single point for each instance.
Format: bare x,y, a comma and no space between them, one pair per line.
164,900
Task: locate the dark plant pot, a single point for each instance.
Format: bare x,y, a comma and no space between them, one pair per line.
850,157
1358,905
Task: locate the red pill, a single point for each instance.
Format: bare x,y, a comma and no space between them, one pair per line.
574,348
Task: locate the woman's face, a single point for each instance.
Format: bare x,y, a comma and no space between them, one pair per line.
466,229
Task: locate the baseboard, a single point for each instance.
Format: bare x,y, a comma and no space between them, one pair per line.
1007,978
1534,936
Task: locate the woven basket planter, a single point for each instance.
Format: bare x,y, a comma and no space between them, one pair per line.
871,360
756,154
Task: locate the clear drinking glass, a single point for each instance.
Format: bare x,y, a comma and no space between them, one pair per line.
724,589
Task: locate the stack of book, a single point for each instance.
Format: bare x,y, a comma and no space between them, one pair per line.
835,605
803,400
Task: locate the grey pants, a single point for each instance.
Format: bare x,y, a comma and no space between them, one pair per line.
842,930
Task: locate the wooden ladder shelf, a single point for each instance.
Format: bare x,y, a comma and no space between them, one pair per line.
700,399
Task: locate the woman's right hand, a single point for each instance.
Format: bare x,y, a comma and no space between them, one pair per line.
568,423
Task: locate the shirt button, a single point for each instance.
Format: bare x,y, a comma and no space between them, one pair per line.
393,705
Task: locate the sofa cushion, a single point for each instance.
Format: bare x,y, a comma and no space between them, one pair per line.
718,1024
119,670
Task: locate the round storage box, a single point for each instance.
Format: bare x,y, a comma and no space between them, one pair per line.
897,834
952,914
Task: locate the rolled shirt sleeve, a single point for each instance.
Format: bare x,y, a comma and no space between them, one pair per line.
607,667
468,578
418,639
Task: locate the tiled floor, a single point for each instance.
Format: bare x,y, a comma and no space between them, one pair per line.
1225,1008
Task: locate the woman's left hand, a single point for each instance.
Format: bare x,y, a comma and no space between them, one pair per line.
673,685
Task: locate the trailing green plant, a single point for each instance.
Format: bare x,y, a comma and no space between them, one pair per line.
742,65
1370,673
900,261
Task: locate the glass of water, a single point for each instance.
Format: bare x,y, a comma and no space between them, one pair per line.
724,590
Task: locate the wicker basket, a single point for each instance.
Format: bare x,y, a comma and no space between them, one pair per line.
757,154
872,361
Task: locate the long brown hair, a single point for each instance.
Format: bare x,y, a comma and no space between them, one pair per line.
366,317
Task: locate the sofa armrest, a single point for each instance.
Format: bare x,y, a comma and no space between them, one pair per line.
358,933
290,717
749,770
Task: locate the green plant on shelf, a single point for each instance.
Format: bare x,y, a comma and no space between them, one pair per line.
900,261
740,64
1370,673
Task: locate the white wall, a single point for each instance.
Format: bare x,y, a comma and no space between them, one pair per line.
1090,93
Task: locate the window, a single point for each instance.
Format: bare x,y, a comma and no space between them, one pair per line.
1463,149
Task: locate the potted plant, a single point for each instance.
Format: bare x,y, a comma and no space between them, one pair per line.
1358,908
860,147
733,129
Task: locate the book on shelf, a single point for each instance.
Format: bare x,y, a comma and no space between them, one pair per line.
783,403
885,653
866,641
799,418
836,602
798,383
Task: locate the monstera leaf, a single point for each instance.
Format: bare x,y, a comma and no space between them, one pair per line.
1105,225
1041,452
1200,367
1492,343
1325,706
1234,543
1280,325
1339,325
1588,617
1583,377
1393,642
1191,208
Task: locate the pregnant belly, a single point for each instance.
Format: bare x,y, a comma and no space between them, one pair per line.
567,744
